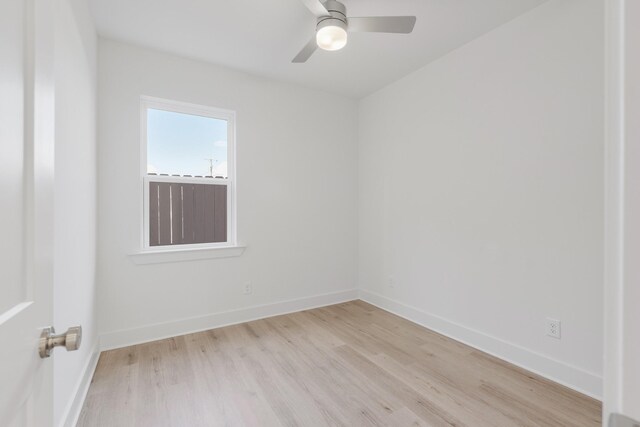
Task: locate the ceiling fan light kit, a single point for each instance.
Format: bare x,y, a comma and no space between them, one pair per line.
331,31
333,24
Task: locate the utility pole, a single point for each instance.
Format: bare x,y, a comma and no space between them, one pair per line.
210,166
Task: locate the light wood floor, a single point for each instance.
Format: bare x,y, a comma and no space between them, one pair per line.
349,364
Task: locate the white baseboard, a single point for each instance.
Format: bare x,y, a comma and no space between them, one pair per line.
127,337
72,411
573,377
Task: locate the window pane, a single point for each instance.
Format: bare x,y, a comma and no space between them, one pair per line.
186,144
184,213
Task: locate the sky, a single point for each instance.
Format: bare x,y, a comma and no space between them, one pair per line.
182,144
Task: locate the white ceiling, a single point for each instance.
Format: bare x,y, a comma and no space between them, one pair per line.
262,36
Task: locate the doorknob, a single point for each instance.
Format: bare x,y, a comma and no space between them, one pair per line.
49,340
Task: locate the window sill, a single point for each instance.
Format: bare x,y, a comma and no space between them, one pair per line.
179,255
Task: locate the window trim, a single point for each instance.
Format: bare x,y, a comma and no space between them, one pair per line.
164,256
147,102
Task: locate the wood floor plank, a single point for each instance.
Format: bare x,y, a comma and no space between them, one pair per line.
350,364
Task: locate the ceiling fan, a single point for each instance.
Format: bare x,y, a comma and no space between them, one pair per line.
333,24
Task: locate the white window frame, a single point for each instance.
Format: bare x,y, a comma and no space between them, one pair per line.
147,102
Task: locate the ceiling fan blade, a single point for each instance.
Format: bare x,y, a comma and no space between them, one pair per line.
316,7
382,24
306,51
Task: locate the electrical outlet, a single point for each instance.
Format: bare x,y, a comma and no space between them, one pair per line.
553,328
248,288
391,282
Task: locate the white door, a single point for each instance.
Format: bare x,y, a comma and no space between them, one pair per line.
26,209
622,279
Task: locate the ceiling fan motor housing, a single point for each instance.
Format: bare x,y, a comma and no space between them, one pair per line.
337,15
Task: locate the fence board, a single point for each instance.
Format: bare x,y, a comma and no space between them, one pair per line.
176,213
199,214
153,214
209,200
187,213
220,214
164,206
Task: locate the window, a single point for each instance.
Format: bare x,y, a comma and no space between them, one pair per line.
188,175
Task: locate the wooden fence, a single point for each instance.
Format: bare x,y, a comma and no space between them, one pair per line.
185,213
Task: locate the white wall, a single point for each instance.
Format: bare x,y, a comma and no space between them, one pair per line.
481,192
75,196
296,158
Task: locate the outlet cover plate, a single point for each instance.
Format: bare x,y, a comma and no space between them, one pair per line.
553,328
248,288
